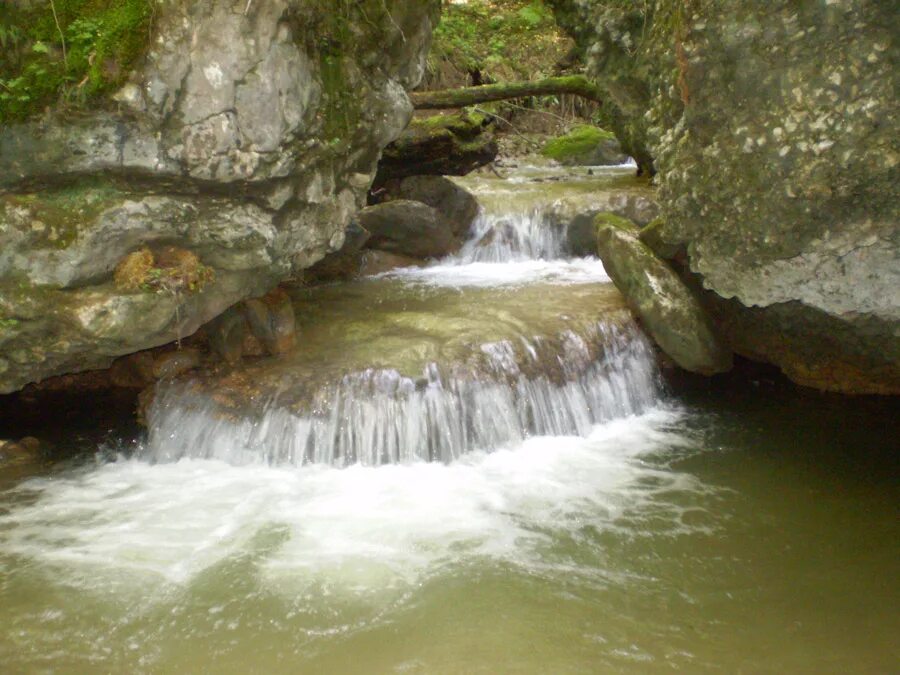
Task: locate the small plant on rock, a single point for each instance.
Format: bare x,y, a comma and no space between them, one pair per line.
168,270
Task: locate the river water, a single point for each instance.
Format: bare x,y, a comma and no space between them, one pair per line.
474,467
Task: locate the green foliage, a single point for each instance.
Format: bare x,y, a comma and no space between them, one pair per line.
502,39
89,52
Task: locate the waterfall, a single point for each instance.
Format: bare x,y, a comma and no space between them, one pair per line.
379,416
552,377
503,237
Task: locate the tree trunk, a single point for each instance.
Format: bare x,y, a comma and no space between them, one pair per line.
458,98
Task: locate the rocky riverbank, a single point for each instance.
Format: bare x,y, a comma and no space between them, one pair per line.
246,138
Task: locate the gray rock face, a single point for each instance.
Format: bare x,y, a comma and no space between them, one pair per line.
666,306
408,228
773,127
344,263
249,138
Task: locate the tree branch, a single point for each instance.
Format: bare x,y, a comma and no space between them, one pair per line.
458,98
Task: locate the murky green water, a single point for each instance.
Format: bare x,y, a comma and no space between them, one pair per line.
752,532
738,525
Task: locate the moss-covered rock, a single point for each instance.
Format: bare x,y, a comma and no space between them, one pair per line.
441,145
585,145
665,305
652,234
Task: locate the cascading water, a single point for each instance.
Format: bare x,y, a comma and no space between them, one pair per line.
512,236
557,379
380,416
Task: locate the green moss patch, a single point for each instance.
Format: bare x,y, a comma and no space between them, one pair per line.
581,141
67,51
607,218
59,215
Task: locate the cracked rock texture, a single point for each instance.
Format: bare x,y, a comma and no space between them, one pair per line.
773,129
249,135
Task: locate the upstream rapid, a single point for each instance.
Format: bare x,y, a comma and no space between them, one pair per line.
472,467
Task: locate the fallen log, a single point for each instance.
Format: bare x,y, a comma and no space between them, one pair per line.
459,98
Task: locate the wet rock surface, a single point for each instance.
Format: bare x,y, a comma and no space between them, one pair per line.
392,326
453,202
248,136
773,130
408,228
667,307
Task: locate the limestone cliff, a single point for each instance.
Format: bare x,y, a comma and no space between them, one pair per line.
248,135
772,126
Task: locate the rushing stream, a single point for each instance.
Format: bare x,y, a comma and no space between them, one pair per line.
472,467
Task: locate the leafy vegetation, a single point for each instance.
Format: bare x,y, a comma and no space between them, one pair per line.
500,40
67,51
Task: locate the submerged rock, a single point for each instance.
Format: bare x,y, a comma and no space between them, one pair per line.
271,320
408,228
23,451
247,137
378,262
666,306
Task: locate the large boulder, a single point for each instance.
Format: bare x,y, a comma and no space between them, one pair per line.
248,135
773,128
408,228
455,203
665,305
441,145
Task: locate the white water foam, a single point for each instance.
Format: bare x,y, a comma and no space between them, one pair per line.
378,416
492,274
359,529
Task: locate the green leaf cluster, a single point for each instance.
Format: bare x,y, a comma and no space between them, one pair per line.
84,50
504,39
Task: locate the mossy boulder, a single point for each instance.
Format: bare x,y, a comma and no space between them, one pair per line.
441,145
665,305
585,145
